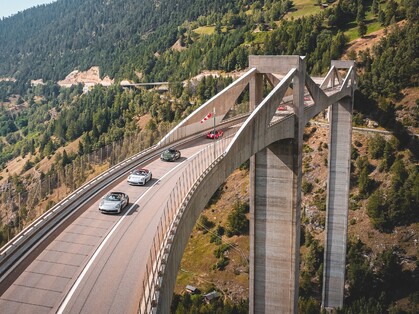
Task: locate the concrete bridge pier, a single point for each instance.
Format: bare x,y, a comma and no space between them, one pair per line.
339,165
275,196
275,232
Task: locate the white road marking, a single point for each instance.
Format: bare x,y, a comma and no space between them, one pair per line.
8,248
95,255
17,240
27,231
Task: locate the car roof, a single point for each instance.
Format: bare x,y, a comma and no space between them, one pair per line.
141,170
114,196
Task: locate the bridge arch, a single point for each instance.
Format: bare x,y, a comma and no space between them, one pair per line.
270,142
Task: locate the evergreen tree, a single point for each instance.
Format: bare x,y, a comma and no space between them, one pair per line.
375,7
376,210
399,173
65,159
364,182
376,145
362,28
388,156
80,150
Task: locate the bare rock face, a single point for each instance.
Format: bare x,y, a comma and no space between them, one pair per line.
88,78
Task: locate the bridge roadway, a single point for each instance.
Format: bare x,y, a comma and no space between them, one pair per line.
96,264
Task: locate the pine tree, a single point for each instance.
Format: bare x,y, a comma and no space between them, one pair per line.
388,157
364,183
80,150
65,160
375,7
362,28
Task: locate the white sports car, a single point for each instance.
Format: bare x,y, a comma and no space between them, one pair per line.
140,176
114,202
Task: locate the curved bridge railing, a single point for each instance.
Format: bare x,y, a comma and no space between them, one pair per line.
169,225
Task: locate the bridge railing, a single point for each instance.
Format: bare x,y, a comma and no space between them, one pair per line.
191,177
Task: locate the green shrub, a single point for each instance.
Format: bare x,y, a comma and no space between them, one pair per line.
204,224
221,263
219,251
306,187
237,220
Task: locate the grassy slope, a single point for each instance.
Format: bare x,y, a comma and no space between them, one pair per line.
309,7
198,260
303,8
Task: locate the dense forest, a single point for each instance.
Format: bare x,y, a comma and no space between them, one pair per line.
124,37
135,40
65,35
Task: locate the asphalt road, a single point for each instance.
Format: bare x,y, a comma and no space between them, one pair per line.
96,264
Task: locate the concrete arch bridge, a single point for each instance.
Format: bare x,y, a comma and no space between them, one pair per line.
73,259
274,146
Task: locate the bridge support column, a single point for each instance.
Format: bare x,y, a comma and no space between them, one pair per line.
274,238
340,134
275,199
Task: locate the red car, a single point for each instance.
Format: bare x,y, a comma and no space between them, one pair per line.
214,134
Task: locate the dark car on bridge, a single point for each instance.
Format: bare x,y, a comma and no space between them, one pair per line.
170,154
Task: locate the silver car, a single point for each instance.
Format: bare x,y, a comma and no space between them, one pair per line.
139,176
114,202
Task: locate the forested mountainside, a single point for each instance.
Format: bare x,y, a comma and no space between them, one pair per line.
127,38
52,139
113,34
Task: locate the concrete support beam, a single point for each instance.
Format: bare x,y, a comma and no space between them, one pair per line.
340,134
274,237
273,64
275,196
255,97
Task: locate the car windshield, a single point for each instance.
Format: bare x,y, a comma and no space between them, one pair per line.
113,197
140,172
